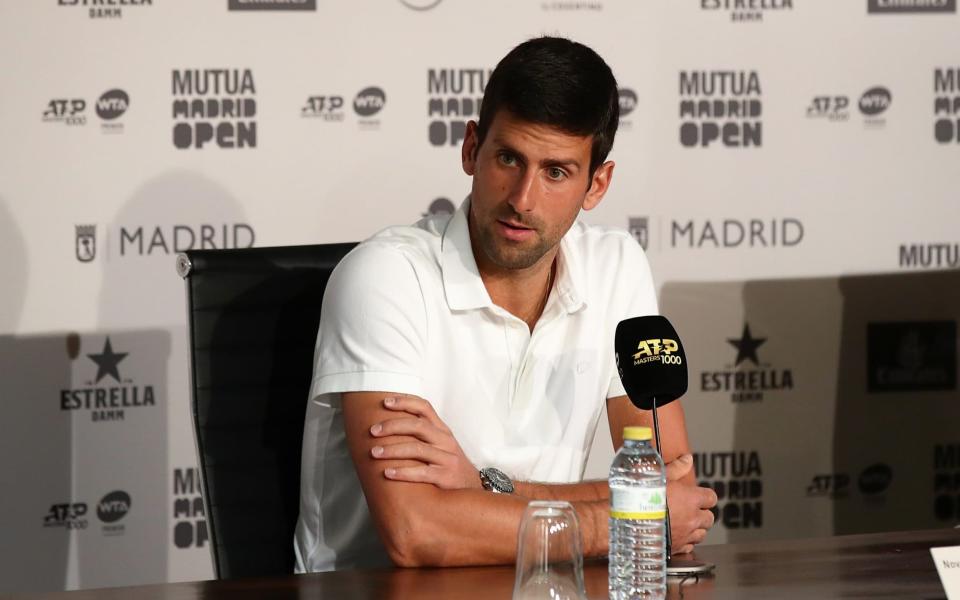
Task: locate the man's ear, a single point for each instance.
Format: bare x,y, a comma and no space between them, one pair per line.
468,151
599,184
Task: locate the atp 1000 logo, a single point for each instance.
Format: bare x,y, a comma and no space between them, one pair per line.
111,510
330,107
657,350
69,515
110,106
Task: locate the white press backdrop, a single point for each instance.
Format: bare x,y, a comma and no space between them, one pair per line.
800,220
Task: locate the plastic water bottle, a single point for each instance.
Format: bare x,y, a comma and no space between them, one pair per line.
638,510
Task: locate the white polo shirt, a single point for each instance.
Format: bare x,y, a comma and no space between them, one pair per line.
407,312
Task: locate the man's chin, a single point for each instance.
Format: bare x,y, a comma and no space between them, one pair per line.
515,258
511,254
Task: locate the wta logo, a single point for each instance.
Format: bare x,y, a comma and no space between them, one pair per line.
657,350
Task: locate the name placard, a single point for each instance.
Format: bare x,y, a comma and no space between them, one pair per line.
948,566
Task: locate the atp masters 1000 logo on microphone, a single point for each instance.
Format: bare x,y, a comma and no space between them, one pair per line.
657,350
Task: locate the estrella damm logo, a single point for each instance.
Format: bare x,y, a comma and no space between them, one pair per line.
657,350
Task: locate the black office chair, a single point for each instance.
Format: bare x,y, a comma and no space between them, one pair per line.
253,324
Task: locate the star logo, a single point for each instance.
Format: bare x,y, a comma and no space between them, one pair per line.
746,346
107,362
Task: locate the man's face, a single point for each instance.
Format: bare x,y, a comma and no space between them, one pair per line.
529,183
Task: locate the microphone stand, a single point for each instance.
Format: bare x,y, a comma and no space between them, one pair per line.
656,435
676,568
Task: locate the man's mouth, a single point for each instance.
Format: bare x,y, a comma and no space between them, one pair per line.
513,225
515,232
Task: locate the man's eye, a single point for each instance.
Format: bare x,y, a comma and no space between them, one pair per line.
507,159
556,173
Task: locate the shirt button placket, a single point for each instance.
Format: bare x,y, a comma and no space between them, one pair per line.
518,334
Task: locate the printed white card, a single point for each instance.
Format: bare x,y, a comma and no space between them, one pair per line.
948,566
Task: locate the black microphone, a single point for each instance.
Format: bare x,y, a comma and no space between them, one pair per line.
651,361
653,369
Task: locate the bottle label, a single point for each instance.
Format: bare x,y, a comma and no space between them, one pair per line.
638,503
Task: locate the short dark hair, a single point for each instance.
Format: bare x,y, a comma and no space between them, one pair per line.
556,82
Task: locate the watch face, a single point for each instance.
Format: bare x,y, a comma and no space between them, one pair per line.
498,480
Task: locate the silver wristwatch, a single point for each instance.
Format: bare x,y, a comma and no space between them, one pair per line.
496,481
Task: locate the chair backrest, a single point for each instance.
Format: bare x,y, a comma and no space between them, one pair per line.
253,317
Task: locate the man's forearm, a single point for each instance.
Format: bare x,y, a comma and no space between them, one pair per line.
588,491
474,527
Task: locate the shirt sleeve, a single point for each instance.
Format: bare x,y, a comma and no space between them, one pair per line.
373,326
640,300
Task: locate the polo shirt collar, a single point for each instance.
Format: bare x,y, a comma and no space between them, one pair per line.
463,286
570,277
461,278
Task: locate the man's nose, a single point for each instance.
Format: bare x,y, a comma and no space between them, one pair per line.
523,196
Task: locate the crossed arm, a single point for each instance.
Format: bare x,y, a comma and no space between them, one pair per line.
430,509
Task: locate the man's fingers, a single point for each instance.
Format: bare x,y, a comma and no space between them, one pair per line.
706,520
676,469
419,474
422,474
685,549
412,426
708,497
697,536
414,406
412,451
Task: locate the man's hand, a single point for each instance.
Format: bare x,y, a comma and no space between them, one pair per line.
689,504
423,525
443,462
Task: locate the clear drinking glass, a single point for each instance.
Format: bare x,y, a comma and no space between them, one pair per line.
549,553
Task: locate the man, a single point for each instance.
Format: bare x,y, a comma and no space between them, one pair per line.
464,358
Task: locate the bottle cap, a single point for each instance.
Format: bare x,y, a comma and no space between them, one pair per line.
637,433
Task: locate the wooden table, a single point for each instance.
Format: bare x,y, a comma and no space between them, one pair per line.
884,565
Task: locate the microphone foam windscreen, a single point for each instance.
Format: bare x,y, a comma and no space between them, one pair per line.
650,360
